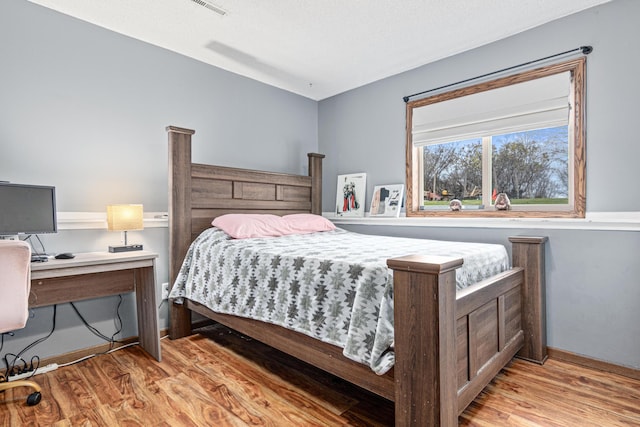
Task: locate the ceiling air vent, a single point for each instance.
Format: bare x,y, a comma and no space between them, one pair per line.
217,9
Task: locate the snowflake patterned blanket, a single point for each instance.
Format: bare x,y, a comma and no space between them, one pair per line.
333,285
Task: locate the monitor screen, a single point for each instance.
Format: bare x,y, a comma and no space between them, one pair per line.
27,209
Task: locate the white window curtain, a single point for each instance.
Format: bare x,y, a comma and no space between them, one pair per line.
535,104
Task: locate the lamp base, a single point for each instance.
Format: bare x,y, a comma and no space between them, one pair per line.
125,248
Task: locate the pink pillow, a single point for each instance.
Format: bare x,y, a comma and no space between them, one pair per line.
308,223
243,226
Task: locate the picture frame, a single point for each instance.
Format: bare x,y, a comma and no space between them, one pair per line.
350,194
387,200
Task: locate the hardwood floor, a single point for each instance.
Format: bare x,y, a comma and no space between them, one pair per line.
223,379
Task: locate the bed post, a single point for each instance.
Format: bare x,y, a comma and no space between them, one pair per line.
179,220
315,172
528,253
425,340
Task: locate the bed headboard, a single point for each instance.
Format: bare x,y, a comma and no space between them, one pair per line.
198,193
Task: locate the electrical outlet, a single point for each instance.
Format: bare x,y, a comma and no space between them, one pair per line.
165,291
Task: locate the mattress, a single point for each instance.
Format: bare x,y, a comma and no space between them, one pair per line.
333,285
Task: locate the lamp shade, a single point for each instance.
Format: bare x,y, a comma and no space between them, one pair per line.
124,217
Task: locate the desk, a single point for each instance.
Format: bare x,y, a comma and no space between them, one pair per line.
98,274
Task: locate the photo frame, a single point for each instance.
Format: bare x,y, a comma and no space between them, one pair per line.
387,200
350,194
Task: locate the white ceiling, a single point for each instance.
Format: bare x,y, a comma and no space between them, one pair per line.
319,48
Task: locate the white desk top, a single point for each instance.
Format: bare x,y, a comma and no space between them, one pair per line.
90,259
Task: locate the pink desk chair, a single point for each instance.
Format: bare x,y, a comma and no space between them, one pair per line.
15,284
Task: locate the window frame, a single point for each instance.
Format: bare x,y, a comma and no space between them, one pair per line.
577,148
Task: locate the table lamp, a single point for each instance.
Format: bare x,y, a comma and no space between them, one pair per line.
124,218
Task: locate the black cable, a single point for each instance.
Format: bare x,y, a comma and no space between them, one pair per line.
10,368
4,377
584,49
2,339
44,251
117,324
35,366
33,249
96,332
13,368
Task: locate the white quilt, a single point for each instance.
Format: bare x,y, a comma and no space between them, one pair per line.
333,285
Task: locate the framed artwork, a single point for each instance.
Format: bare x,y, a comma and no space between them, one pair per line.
350,194
387,200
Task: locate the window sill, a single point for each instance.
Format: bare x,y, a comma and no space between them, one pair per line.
613,221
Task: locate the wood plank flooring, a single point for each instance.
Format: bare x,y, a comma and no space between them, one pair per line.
223,379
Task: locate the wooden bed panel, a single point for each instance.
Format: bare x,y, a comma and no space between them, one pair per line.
203,191
201,220
228,189
471,389
491,343
220,190
487,313
483,336
224,173
462,350
253,206
254,195
290,193
512,313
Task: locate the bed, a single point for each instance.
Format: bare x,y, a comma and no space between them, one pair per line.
448,344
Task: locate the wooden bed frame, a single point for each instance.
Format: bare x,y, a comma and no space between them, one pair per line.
448,345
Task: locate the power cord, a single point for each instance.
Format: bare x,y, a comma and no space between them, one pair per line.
11,368
117,320
111,350
82,359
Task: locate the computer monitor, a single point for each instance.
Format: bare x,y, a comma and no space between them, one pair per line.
27,209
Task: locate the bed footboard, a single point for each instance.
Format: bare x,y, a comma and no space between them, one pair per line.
448,345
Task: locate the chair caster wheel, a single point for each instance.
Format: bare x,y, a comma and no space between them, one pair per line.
34,398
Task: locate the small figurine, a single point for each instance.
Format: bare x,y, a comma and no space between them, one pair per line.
502,202
455,205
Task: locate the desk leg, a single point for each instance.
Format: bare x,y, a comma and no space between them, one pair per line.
148,332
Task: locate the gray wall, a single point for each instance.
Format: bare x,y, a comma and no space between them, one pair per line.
592,276
85,109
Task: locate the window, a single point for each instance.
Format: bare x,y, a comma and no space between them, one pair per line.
520,135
